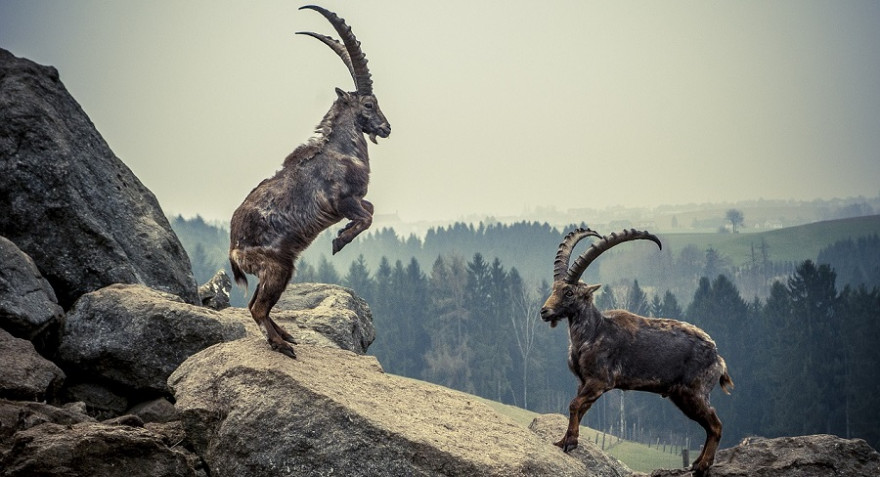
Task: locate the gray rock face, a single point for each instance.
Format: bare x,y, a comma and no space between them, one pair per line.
69,202
27,301
802,456
95,450
24,374
134,337
249,411
551,428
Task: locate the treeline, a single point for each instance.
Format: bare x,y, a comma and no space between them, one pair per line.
804,359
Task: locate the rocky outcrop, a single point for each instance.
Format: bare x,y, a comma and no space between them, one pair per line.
551,427
802,456
96,450
134,337
69,202
25,374
27,301
18,416
249,411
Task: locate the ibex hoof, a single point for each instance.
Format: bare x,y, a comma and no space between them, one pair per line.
284,349
338,244
567,445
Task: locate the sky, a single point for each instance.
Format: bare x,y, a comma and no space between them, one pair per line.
496,107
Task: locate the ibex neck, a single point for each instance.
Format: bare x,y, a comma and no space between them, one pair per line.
345,136
582,327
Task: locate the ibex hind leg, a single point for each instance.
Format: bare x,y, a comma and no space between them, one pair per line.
266,296
697,408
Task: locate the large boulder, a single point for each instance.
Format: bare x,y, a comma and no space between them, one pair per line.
803,456
95,450
26,375
134,337
27,301
129,338
69,202
249,411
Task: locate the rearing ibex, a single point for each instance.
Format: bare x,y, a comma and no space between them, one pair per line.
321,182
620,350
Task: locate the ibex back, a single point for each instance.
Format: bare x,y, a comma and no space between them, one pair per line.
321,182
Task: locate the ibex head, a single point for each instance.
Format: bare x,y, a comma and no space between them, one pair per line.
369,117
569,294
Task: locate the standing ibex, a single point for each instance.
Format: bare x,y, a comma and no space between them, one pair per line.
321,182
620,350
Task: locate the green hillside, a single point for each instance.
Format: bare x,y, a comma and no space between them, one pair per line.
794,244
638,457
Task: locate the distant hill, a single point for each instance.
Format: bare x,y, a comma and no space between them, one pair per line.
791,244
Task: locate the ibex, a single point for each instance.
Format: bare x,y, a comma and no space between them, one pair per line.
321,182
620,350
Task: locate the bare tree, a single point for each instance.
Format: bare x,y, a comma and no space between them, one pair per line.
525,321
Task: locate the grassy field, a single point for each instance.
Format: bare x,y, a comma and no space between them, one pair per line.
638,457
794,244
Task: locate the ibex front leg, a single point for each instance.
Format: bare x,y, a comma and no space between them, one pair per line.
588,393
360,212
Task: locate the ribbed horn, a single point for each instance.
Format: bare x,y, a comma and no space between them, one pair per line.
585,259
334,45
357,62
563,254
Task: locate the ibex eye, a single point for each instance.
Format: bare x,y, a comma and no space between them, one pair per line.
569,293
368,105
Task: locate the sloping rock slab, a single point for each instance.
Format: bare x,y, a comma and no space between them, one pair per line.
803,456
27,301
69,202
94,450
135,337
24,374
551,428
249,411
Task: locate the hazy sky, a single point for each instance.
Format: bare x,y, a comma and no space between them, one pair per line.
495,106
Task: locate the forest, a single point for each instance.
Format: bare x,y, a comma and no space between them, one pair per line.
459,307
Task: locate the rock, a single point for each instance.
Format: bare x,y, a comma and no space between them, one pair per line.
95,450
25,375
215,293
99,401
69,202
21,415
802,456
335,313
157,410
27,301
551,428
249,411
134,337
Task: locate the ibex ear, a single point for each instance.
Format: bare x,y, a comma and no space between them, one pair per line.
592,288
343,95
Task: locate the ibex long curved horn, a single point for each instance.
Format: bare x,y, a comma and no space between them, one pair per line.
585,259
560,265
352,55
